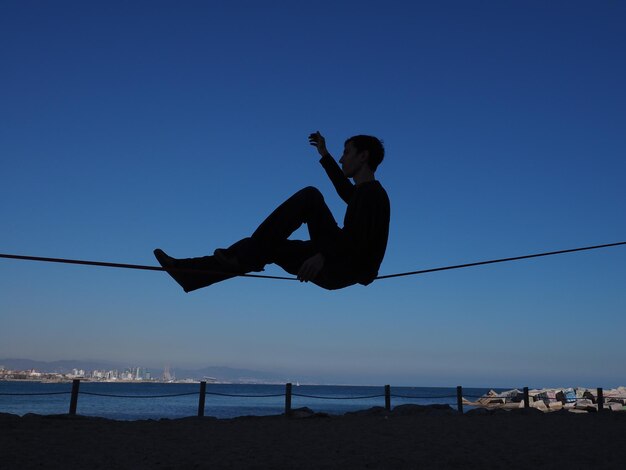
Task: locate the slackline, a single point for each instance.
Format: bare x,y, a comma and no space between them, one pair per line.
387,276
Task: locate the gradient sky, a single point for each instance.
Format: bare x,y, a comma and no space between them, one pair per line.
126,126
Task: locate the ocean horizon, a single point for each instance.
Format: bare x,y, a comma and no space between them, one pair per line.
144,400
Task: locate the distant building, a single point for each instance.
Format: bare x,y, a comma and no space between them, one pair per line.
111,375
140,373
167,376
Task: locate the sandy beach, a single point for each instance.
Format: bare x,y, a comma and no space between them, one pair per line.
410,437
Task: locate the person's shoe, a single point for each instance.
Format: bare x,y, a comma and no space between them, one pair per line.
170,264
164,260
192,273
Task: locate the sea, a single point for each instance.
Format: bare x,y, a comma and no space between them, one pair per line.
145,400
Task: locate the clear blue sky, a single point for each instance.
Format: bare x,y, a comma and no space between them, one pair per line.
126,126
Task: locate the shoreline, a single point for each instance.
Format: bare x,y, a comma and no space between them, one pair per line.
87,380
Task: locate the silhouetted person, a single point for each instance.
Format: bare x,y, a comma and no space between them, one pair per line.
334,257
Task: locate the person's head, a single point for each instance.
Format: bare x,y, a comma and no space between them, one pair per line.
370,147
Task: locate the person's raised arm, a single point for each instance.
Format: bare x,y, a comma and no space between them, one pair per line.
342,184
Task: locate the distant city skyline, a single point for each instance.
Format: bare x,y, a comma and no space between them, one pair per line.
103,371
127,126
42,373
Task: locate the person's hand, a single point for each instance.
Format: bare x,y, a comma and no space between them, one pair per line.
318,141
311,268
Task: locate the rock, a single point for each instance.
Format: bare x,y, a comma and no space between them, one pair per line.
527,411
556,406
411,410
514,395
613,406
478,411
582,402
486,411
492,401
374,411
513,405
589,396
586,405
192,419
614,400
615,395
490,397
304,412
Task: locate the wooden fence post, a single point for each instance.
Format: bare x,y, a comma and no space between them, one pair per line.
74,398
288,399
388,397
600,400
459,399
526,398
201,399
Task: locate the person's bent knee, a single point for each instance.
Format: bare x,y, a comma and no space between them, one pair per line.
311,192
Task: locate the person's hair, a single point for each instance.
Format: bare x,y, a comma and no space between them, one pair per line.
373,145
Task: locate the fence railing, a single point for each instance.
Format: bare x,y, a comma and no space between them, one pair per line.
288,394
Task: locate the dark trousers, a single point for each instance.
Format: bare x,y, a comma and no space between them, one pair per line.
270,243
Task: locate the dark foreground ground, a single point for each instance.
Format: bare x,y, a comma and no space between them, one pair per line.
406,438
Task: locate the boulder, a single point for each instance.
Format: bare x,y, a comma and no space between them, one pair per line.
486,411
615,395
556,406
615,400
513,405
527,411
374,411
490,397
586,405
514,395
304,412
411,410
589,396
613,406
582,402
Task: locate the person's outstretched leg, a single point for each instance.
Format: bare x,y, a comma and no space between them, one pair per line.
306,206
183,271
266,244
